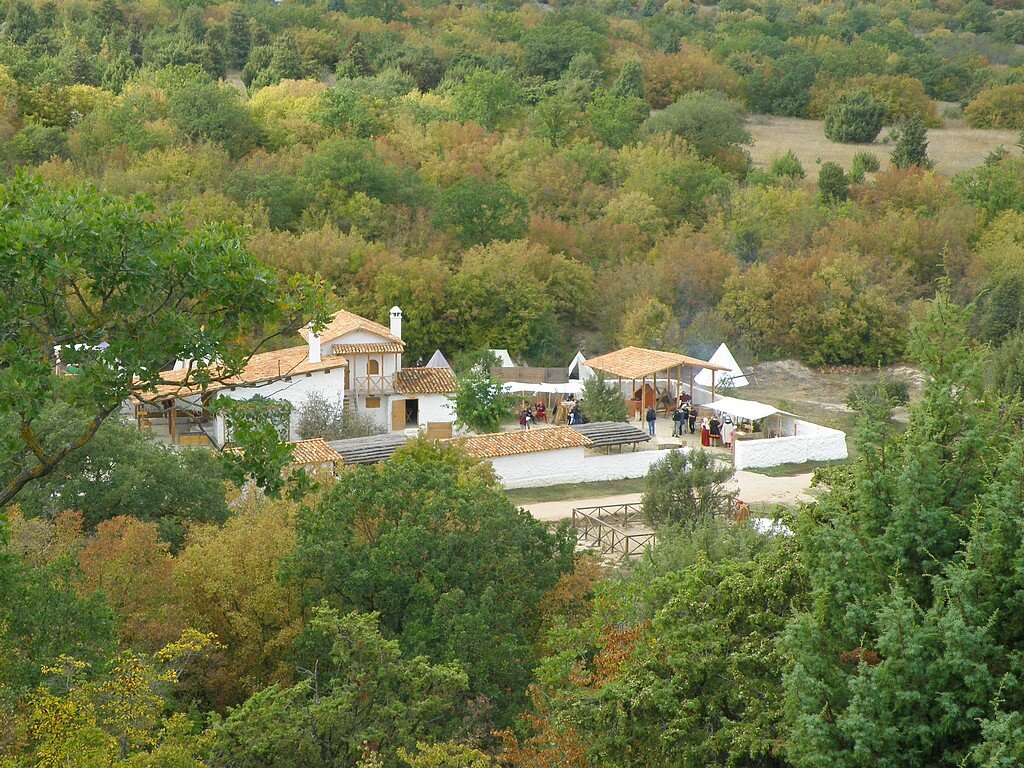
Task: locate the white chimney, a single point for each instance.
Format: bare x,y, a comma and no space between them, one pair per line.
314,345
396,322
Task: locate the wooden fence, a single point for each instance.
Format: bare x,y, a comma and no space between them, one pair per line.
605,528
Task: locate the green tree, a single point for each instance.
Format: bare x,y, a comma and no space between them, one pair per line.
488,98
362,696
107,271
686,489
630,82
855,118
207,111
603,401
121,472
454,569
479,402
709,121
239,38
832,183
476,212
614,119
907,636
556,119
911,148
787,166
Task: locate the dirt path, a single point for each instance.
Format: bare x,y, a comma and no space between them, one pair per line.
752,488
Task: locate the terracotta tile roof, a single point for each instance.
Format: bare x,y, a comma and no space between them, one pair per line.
262,367
514,443
637,362
344,322
367,349
425,381
314,451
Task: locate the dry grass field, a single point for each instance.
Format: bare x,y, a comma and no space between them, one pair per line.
953,149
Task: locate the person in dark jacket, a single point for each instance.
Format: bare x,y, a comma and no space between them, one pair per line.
691,418
677,422
652,417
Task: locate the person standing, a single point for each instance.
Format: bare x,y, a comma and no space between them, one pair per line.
522,420
652,417
691,418
677,422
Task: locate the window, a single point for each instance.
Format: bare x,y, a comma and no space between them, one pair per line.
372,367
373,402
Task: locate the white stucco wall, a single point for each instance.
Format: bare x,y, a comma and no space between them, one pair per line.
357,363
812,442
330,384
435,408
571,465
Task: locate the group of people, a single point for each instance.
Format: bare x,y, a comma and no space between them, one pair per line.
539,412
684,417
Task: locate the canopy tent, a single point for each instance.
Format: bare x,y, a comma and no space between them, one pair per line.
504,358
526,388
578,368
733,376
751,410
437,360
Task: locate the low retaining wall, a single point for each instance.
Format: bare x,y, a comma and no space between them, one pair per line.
571,466
812,442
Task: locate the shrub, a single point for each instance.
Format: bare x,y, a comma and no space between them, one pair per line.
864,162
832,183
788,166
1001,106
888,391
856,118
709,121
686,489
319,417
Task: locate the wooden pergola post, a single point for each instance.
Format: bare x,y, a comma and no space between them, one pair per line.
171,425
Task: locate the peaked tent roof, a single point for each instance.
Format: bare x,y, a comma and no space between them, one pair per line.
504,358
579,365
437,360
734,375
344,322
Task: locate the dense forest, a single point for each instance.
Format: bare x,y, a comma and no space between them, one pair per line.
497,171
540,178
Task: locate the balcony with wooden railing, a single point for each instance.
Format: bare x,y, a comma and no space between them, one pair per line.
375,384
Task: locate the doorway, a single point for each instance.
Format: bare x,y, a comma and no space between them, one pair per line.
412,412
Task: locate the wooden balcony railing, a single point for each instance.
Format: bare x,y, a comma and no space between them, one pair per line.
375,383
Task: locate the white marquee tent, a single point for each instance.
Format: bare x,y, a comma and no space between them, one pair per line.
733,376
526,388
437,360
578,368
504,358
751,410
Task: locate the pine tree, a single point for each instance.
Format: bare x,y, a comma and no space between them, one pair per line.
832,183
911,144
630,81
239,38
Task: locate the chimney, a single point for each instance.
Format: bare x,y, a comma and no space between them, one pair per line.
314,345
396,322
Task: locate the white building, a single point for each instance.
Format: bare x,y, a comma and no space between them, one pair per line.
352,360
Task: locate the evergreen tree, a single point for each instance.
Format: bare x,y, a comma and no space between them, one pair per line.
911,144
907,654
239,38
355,60
603,401
832,183
630,81
108,14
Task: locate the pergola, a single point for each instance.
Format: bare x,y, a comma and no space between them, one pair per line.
635,364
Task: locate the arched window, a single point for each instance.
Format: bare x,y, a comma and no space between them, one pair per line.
372,367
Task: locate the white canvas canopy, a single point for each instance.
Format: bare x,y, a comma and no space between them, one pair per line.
751,410
437,360
526,388
504,358
724,358
578,368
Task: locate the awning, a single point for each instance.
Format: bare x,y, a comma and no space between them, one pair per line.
526,388
742,409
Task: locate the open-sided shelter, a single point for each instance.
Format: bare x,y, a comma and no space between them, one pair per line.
642,367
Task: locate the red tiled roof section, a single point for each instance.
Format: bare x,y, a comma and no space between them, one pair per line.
344,322
388,347
637,362
265,366
314,451
425,381
499,444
